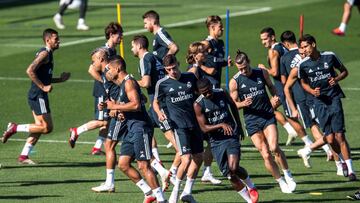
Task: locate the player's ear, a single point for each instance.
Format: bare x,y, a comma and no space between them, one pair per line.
313,44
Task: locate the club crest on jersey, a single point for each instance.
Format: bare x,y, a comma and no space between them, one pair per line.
259,81
180,87
326,65
188,84
222,103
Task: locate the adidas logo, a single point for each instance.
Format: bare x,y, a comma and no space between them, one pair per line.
171,89
259,82
310,71
243,86
207,110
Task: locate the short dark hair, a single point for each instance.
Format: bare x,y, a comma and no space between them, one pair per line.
153,15
203,82
48,32
118,61
307,38
113,28
241,57
288,36
142,40
268,30
169,60
210,20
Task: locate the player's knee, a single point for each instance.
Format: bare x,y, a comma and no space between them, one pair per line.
266,155
143,166
47,128
274,149
123,166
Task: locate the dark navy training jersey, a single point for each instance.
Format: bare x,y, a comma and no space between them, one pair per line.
217,110
317,74
160,44
179,96
216,58
148,66
44,73
290,60
132,117
99,89
281,50
254,87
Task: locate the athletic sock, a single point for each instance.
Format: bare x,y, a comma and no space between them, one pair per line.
290,130
326,148
307,140
27,149
155,153
144,187
81,129
173,169
23,128
207,170
158,167
244,193
349,166
99,141
177,184
287,173
342,27
188,186
248,182
110,178
158,194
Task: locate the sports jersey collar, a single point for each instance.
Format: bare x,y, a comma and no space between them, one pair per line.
160,29
48,49
210,37
294,48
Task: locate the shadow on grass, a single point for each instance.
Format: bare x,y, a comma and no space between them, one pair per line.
26,197
53,182
59,165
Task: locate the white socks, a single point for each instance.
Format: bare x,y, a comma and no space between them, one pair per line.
245,195
307,140
349,166
27,149
110,178
23,128
144,187
248,182
99,141
155,153
158,194
158,167
81,129
188,186
342,27
287,173
290,130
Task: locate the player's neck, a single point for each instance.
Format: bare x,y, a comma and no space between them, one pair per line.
110,44
156,29
214,36
121,77
315,55
142,53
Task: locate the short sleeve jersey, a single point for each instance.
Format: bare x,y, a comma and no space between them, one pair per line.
289,61
148,67
317,74
44,73
281,50
254,87
217,110
160,44
216,57
178,96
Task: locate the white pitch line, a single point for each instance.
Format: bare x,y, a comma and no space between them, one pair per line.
162,146
171,25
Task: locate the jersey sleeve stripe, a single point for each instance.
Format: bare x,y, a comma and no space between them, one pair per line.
164,38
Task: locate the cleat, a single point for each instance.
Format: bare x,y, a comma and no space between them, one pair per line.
97,151
291,183
58,21
174,196
82,26
352,177
187,198
165,181
104,188
345,169
210,178
305,155
339,172
25,160
338,32
356,196
284,188
149,199
291,138
254,195
11,129
73,137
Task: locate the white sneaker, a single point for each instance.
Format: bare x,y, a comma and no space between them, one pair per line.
291,138
165,181
82,26
305,155
104,188
339,172
291,183
187,198
174,196
284,187
58,21
210,178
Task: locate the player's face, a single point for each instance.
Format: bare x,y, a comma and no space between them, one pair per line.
201,56
206,91
135,49
116,38
173,71
53,41
243,68
302,52
307,48
111,73
149,24
266,40
218,29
